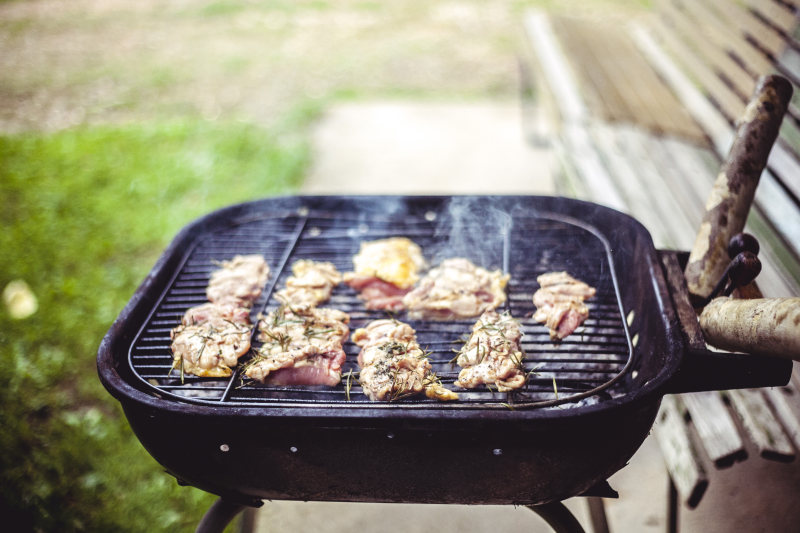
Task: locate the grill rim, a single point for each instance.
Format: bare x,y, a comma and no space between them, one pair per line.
167,268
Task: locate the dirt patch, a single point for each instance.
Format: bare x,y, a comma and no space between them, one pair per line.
64,63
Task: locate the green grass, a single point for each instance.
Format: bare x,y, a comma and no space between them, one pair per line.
85,213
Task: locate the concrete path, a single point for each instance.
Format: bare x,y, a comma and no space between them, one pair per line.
399,147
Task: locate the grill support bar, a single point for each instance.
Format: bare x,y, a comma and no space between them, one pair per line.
296,233
219,515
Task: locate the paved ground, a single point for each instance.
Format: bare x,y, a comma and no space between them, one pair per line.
478,147
426,148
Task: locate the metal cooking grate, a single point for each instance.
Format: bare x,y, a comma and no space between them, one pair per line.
572,371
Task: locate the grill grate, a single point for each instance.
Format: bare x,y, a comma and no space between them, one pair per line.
584,368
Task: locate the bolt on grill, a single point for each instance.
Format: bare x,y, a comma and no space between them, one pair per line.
587,367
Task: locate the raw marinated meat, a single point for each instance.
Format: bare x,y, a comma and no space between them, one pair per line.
310,285
384,271
456,289
492,354
239,281
302,346
393,366
559,303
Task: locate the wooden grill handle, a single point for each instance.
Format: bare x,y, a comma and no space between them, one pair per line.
732,194
762,326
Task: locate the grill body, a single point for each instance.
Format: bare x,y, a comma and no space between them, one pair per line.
588,406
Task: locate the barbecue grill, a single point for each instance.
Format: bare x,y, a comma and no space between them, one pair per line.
589,402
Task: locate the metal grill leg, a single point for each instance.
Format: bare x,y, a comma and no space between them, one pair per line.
220,514
597,514
558,517
672,507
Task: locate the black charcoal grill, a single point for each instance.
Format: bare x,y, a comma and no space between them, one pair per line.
588,405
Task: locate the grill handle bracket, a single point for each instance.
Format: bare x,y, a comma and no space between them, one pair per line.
704,370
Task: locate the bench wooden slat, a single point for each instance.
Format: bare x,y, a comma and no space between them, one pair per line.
777,14
605,100
788,412
764,430
715,427
744,21
679,453
726,99
712,43
785,163
638,203
753,61
716,126
617,82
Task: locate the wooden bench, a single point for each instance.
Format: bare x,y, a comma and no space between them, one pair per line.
643,114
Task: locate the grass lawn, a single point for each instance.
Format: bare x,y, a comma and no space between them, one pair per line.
85,212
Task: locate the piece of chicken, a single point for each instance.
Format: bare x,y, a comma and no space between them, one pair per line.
216,314
238,281
492,354
393,366
560,303
311,284
214,335
384,271
209,349
456,289
302,346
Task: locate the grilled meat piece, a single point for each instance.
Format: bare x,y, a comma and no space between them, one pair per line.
384,271
209,349
239,281
393,366
302,346
213,336
559,303
492,354
216,314
456,289
310,285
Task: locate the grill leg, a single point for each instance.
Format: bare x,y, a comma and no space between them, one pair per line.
558,517
672,507
219,515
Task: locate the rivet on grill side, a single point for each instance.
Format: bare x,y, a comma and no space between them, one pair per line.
224,448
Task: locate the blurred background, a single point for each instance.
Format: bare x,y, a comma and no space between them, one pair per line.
122,121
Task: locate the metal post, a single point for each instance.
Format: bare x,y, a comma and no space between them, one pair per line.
219,515
558,517
672,507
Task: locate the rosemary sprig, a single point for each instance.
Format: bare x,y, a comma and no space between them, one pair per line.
347,384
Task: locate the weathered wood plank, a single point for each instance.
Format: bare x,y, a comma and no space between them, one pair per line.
786,407
744,21
679,453
715,427
554,66
713,123
712,44
762,427
690,50
577,142
639,203
777,14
